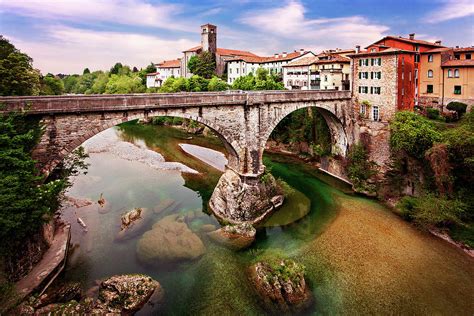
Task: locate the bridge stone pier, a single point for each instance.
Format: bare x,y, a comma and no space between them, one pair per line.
242,120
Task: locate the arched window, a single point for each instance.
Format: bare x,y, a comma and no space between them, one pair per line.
289,83
430,73
456,73
450,73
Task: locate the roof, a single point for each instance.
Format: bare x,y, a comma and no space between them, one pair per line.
223,51
407,40
463,49
305,61
387,51
269,59
436,50
175,63
153,74
459,63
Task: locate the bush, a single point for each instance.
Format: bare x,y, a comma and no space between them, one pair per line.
413,134
458,107
360,168
433,114
430,210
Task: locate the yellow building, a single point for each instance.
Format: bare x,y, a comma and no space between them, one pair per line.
446,75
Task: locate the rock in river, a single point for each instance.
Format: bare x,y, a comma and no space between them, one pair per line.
169,240
132,223
281,286
234,236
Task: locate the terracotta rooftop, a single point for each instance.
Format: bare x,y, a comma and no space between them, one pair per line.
387,51
463,49
224,51
436,50
305,61
153,73
269,59
407,40
459,63
175,63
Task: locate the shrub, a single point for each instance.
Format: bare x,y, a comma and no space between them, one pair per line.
360,168
433,114
458,107
413,134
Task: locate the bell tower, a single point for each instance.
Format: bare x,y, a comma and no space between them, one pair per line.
209,38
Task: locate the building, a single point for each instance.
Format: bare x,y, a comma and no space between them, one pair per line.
326,71
446,75
209,44
244,65
164,70
385,76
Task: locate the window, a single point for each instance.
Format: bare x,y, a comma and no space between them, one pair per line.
380,61
367,62
450,73
457,89
237,70
468,56
430,73
417,58
430,58
403,75
373,50
429,88
403,91
371,90
376,90
372,61
363,109
375,113
456,73
325,78
360,62
230,70
457,56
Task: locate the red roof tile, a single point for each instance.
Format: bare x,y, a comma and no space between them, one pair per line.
387,51
268,59
459,63
224,51
175,63
407,40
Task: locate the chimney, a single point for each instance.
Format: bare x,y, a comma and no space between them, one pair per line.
301,51
285,54
438,42
275,55
412,36
357,49
209,38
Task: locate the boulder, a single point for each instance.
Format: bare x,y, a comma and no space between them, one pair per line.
132,223
60,294
169,240
281,286
234,236
126,294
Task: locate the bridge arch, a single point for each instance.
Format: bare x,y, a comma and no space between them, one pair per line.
78,135
334,119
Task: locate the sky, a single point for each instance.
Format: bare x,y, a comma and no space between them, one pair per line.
65,36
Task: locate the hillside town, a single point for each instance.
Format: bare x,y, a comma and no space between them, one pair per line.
393,73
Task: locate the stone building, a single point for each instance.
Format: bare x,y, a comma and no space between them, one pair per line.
446,75
164,70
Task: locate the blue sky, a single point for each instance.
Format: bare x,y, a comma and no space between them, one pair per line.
64,36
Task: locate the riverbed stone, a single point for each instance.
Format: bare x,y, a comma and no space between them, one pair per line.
126,294
237,201
60,294
132,223
281,286
169,240
235,237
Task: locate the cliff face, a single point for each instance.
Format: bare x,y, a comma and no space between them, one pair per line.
29,252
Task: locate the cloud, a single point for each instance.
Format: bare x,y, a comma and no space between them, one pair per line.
70,50
128,12
451,9
289,22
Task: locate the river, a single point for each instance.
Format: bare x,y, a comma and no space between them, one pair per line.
359,257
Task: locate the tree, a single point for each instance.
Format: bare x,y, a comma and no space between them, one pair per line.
203,65
217,84
51,85
413,134
86,71
135,69
458,107
115,69
119,84
100,83
197,84
17,76
70,83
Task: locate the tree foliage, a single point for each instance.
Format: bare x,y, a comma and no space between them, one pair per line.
17,75
203,65
261,81
193,84
359,168
458,107
413,134
51,85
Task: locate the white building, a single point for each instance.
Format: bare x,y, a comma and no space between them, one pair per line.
326,71
244,65
164,70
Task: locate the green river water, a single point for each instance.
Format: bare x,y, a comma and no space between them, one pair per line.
359,257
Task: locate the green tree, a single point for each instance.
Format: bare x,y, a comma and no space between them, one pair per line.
70,83
86,71
119,84
197,83
116,68
17,76
51,85
203,65
217,84
360,168
180,84
100,83
413,134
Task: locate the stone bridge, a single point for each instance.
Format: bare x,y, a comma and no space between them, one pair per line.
242,120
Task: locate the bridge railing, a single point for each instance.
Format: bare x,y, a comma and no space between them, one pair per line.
144,101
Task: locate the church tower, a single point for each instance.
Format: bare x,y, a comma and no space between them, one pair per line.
209,38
